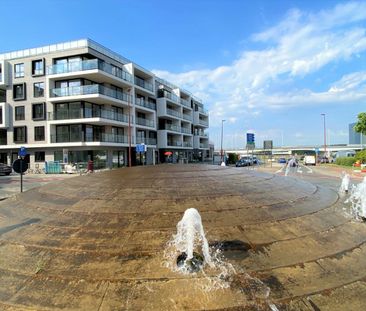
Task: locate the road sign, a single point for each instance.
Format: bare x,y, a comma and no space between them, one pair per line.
250,138
20,166
267,144
22,152
316,150
140,148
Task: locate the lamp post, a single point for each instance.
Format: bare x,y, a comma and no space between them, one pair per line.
325,135
222,136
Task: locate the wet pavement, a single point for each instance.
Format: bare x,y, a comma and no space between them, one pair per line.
97,242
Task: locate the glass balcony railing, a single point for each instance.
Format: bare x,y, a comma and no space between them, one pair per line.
186,130
187,144
203,146
89,90
145,122
202,110
185,103
146,141
171,96
173,128
187,117
143,103
79,114
144,84
203,122
176,143
174,113
89,64
81,137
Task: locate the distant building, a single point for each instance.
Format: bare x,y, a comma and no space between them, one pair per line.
354,137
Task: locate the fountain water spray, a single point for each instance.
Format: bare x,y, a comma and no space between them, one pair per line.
345,183
358,200
190,233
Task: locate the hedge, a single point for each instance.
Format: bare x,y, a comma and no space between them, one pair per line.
345,161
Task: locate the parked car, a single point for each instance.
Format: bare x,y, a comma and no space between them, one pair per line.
324,160
282,160
242,162
5,169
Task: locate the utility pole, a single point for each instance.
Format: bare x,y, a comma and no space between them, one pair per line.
325,136
129,127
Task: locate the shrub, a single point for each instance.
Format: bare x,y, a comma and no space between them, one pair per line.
346,161
361,156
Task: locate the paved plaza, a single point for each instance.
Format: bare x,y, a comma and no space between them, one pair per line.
96,242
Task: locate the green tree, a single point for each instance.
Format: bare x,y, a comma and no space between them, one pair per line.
360,126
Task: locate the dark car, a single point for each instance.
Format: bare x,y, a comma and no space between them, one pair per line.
5,169
242,162
282,160
324,160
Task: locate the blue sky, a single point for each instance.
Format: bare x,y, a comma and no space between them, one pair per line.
271,67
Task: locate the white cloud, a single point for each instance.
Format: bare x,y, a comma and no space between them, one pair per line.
301,44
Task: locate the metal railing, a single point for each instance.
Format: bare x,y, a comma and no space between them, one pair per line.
203,146
166,94
145,122
143,103
202,110
142,83
176,143
88,90
203,122
89,64
187,144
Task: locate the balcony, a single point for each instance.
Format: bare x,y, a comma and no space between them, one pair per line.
174,113
202,110
187,144
78,114
171,96
187,117
90,64
203,122
80,137
142,83
173,128
185,103
146,141
186,130
143,103
94,89
203,146
145,122
175,143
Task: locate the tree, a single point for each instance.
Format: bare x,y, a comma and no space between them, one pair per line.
360,126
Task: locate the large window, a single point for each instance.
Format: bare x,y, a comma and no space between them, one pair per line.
38,111
19,92
19,113
38,89
1,115
38,67
39,156
39,133
19,70
20,134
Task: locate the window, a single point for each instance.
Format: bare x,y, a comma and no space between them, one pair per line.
39,156
19,70
39,133
1,115
19,91
38,67
19,113
38,111
38,89
20,134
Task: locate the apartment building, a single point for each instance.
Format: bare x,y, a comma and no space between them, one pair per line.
78,101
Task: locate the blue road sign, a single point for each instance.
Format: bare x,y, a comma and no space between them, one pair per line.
140,148
250,138
22,152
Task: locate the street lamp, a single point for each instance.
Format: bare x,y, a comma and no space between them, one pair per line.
222,135
325,135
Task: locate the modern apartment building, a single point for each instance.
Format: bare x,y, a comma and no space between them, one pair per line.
78,101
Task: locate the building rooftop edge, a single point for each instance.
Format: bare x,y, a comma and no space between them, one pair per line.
82,43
